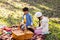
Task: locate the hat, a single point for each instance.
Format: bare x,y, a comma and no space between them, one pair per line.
38,14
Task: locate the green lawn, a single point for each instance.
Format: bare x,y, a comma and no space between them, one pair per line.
11,14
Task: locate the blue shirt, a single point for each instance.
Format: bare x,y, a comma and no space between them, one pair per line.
28,20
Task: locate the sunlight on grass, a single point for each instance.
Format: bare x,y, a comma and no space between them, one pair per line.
54,21
4,12
11,14
43,6
2,22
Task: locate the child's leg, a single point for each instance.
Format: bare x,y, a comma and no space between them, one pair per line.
0,38
37,31
30,29
34,37
39,37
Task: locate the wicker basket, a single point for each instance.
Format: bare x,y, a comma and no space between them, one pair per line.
28,34
22,35
18,36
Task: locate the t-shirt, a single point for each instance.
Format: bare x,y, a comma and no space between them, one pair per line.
27,19
24,19
44,25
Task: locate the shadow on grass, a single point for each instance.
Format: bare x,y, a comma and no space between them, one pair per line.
11,6
55,33
46,6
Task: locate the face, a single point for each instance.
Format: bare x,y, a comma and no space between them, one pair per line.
39,18
25,12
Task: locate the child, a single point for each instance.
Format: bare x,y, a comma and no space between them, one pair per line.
6,33
27,19
43,25
1,32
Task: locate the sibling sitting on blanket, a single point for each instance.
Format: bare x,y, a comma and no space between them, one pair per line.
27,19
8,33
43,25
1,32
5,34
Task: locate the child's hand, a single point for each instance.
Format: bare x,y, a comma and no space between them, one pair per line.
33,28
39,28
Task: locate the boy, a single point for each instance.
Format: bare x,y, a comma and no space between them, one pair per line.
27,19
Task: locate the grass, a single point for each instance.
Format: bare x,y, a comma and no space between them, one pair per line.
11,14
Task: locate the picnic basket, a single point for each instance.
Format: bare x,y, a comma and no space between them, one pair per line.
28,34
17,35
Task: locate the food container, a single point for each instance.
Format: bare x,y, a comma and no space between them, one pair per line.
18,35
28,35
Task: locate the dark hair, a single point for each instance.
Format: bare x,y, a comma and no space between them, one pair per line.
25,9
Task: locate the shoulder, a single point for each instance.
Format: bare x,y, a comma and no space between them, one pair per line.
45,19
29,14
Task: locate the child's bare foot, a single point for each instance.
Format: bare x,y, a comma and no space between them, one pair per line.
38,38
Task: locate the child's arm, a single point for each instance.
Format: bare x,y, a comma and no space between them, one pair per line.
31,20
